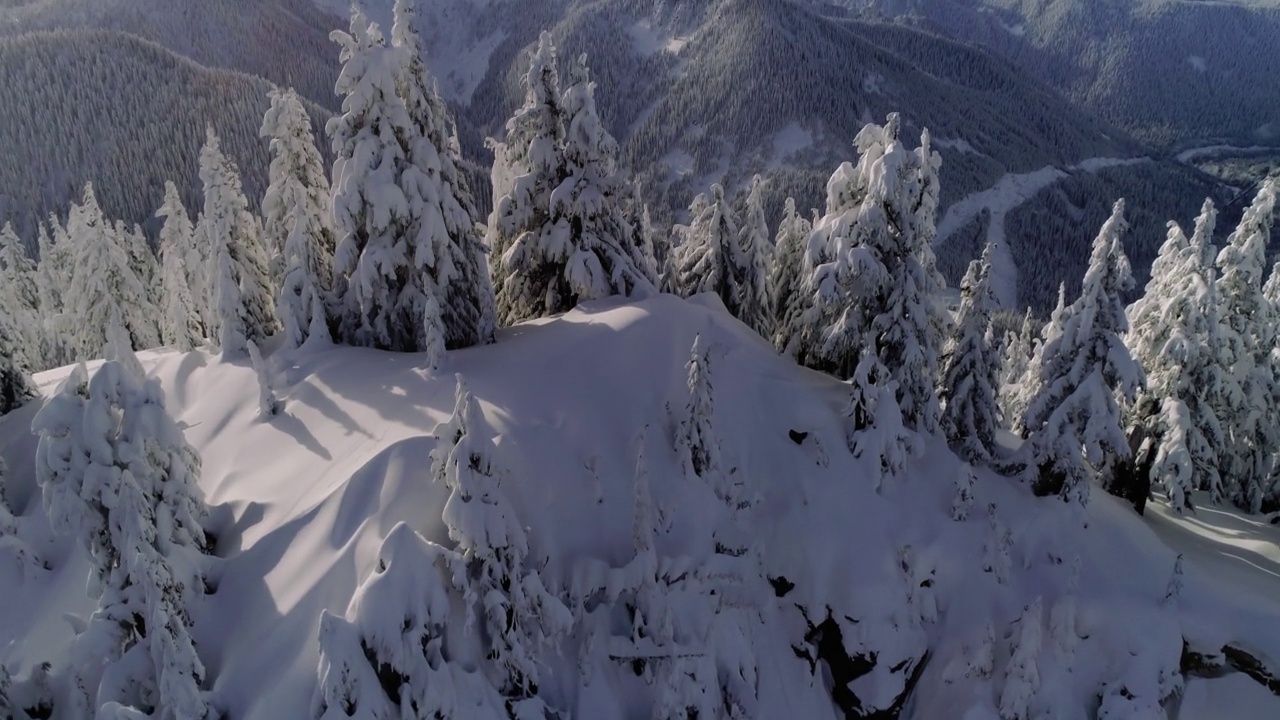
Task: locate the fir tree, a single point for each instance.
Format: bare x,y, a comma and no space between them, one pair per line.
53,277
534,138
787,290
19,297
180,324
16,387
240,284
962,498
118,475
1073,419
520,616
873,420
571,241
1022,675
971,371
1019,348
396,653
297,222
871,271
1246,400
755,253
707,259
104,283
447,251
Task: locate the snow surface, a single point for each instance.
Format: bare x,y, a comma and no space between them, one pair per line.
302,502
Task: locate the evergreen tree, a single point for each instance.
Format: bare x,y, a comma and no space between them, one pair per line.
1174,336
534,137
16,387
117,474
873,420
240,284
1247,330
571,241
19,297
754,256
1022,675
706,260
447,252
962,499
971,371
1019,348
788,293
871,271
180,324
53,277
11,541
297,222
1073,420
520,617
104,283
397,654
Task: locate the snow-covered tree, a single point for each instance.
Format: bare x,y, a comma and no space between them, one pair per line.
297,221
1173,334
970,380
788,294
11,540
180,316
1019,347
534,137
697,443
408,263
1174,591
117,474
873,420
146,267
649,247
1022,675
53,277
240,295
268,404
871,271
1246,402
755,254
105,282
520,616
447,251
707,258
962,498
398,653
16,387
997,553
19,295
570,237
1073,420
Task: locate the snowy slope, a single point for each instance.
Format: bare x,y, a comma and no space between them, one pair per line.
302,503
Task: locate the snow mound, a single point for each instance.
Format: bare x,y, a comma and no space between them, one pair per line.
876,599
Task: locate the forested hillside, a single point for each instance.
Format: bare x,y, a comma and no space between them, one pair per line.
120,112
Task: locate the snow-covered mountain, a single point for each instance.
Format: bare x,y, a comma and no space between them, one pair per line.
872,599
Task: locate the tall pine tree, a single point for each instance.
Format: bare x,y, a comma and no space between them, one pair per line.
971,370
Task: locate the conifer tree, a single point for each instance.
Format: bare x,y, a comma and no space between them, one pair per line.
180,323
534,137
1246,401
448,253
118,475
962,498
971,371
871,271
397,653
1019,348
19,297
570,239
706,260
1073,420
788,294
754,256
11,541
1022,675
53,276
16,387
873,420
240,283
297,221
520,617
104,283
